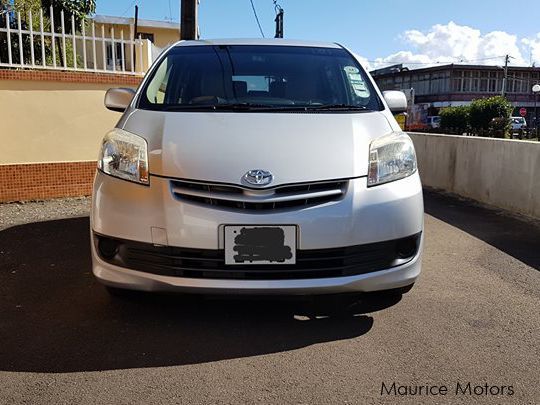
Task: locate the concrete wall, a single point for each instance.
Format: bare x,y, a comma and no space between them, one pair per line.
53,121
503,173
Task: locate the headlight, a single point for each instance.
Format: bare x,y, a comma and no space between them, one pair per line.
391,158
124,155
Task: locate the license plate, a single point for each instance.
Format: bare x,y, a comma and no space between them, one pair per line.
265,244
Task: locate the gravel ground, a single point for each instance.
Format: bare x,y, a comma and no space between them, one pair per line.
37,211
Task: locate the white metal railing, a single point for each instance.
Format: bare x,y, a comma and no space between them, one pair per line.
90,53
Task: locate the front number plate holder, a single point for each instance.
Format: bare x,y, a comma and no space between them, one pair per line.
260,244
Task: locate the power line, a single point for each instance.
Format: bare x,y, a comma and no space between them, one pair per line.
437,62
129,8
478,60
256,18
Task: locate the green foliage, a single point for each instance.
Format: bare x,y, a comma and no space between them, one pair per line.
484,117
455,119
79,9
499,127
490,116
24,6
76,8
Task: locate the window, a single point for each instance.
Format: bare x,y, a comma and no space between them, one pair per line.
205,77
457,81
145,35
255,83
475,82
156,89
117,56
467,81
484,82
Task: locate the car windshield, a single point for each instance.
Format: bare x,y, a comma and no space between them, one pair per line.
258,78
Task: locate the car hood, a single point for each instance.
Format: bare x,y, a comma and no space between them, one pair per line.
222,147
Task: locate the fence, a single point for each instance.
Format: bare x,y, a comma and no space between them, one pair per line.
76,48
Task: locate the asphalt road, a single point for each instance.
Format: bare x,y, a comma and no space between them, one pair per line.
473,317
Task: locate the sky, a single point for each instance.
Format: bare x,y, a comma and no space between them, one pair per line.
418,33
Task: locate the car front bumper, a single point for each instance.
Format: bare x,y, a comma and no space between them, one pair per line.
152,215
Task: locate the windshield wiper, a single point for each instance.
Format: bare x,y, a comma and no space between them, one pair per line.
261,107
186,107
216,107
244,106
338,107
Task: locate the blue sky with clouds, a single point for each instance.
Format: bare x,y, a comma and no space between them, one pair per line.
382,32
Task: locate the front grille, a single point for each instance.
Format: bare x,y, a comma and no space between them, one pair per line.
210,264
241,198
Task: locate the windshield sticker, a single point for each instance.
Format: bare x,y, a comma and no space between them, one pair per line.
357,83
351,69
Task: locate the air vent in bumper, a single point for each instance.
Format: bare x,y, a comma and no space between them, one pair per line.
210,264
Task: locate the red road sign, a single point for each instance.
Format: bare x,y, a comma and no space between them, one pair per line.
523,112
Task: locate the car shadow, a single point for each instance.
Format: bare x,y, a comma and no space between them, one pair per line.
56,318
511,234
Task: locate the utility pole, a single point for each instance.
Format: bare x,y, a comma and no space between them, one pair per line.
279,21
188,19
505,78
136,28
135,36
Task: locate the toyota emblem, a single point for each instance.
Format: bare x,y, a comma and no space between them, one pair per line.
258,177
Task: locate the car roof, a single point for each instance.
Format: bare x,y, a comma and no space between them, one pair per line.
259,41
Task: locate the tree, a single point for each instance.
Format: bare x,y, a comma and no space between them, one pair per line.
9,10
79,9
76,8
455,119
491,116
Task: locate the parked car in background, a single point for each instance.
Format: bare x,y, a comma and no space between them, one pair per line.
433,122
257,167
518,123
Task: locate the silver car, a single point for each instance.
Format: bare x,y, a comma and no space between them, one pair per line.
257,167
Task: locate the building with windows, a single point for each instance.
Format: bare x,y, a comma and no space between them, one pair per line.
452,85
160,34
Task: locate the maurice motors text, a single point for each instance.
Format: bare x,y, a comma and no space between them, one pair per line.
458,389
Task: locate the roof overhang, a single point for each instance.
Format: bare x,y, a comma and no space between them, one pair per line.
106,19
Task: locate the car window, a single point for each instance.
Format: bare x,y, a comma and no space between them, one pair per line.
269,76
157,88
253,83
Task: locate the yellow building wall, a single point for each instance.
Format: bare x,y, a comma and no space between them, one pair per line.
44,121
162,36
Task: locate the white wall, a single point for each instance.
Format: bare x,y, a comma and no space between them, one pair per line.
503,173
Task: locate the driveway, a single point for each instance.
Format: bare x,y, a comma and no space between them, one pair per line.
473,317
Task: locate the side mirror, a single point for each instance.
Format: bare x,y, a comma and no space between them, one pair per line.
396,100
118,99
